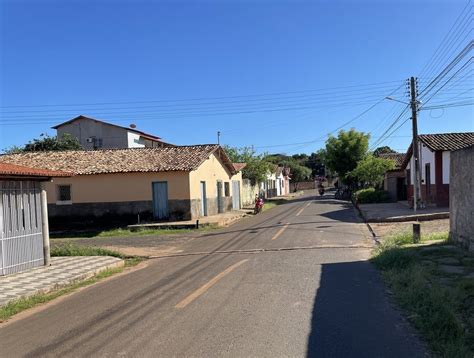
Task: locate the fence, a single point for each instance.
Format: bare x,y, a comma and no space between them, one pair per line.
21,238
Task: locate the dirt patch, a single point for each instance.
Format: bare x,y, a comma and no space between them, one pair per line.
144,251
427,227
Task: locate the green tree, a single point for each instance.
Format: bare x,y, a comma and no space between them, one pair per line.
383,150
298,172
370,170
257,167
47,143
345,151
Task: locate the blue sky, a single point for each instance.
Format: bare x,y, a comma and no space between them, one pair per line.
279,75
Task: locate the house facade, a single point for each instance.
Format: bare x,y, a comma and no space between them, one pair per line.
23,217
395,180
282,181
170,183
96,134
434,153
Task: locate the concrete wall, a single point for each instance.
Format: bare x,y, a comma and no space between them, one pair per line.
461,197
248,193
390,183
112,137
446,167
135,140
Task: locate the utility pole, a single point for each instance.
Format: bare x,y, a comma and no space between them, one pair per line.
416,152
219,137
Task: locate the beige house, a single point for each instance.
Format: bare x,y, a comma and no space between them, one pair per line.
183,182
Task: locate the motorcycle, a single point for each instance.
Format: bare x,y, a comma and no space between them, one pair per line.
321,191
258,206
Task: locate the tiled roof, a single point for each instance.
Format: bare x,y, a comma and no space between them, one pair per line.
442,142
396,157
447,141
239,166
21,171
83,162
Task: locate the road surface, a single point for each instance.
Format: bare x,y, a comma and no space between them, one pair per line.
291,282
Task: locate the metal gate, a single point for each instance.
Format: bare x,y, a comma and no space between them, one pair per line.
236,195
21,237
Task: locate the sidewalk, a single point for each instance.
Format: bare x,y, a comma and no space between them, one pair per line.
219,220
63,271
397,212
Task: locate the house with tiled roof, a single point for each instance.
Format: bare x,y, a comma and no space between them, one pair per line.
434,152
93,134
23,222
394,180
179,182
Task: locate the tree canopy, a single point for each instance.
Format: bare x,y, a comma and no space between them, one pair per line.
257,167
345,151
383,150
370,170
47,143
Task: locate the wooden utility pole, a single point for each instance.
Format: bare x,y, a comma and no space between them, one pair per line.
416,149
219,137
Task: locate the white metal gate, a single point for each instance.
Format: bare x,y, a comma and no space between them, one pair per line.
21,237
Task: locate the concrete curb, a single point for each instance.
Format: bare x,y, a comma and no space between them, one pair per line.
371,230
418,217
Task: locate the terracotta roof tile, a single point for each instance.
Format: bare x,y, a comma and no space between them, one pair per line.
239,166
181,158
447,141
7,169
396,157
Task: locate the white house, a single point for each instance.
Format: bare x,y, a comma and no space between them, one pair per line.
434,153
96,134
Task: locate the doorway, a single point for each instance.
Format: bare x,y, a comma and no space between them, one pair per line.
160,200
203,199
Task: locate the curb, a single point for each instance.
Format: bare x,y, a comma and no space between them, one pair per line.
366,222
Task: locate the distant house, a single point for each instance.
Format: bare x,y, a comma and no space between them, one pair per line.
282,181
96,134
435,150
21,217
182,182
395,180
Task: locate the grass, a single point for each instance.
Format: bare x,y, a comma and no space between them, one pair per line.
439,304
118,232
19,305
272,203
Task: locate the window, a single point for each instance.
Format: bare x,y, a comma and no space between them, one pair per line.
226,188
64,194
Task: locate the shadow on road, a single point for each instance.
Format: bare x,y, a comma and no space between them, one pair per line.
352,316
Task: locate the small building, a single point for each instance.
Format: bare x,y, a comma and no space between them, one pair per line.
461,197
282,181
97,134
434,152
23,217
168,183
395,180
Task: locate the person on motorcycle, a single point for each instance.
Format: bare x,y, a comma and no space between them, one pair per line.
258,204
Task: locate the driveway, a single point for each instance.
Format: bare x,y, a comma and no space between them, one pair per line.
292,281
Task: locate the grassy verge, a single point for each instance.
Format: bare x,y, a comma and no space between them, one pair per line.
433,284
117,232
17,306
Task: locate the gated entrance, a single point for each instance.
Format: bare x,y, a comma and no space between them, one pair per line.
21,237
236,195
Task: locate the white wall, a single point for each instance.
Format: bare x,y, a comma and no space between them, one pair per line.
446,166
135,140
426,156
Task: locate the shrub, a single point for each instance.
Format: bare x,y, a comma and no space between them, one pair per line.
371,195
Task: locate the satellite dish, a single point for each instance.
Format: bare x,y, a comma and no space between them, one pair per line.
133,126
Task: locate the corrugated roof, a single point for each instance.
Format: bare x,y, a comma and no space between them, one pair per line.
84,162
7,169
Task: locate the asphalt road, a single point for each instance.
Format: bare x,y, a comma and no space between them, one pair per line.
291,282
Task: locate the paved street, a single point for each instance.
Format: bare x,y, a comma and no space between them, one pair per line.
292,281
